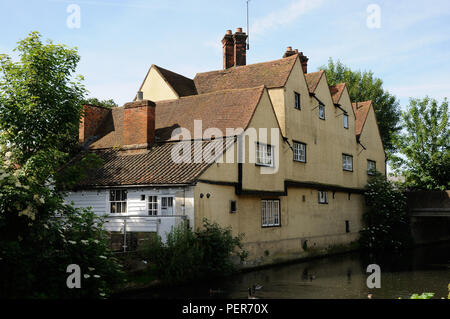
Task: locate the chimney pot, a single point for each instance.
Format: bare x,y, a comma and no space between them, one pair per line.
238,29
289,49
140,95
228,32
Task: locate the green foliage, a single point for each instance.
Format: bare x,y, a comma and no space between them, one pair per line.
105,103
40,235
40,101
385,221
425,295
363,86
424,145
189,255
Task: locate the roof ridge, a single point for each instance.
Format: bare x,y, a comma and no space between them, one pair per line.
161,68
247,65
261,87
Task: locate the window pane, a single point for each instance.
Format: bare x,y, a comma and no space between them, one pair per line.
112,195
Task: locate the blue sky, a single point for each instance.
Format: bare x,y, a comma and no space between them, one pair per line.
119,40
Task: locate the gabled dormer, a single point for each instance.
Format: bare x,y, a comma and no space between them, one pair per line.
160,84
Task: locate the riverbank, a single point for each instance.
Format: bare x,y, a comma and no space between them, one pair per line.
142,276
341,275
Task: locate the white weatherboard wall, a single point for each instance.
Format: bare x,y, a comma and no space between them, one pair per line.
137,218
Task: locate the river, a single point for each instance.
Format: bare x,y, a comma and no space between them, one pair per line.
422,269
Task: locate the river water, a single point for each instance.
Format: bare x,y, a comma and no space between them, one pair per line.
422,269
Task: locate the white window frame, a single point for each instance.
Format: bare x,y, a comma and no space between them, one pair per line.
157,202
297,101
369,171
270,213
345,120
299,149
264,157
322,114
322,197
118,203
161,206
347,162
152,200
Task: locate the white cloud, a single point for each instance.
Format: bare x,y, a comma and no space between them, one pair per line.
284,16
438,90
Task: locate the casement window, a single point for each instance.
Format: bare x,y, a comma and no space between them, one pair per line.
322,112
347,162
270,212
323,197
153,205
371,167
118,201
166,205
345,121
264,155
297,101
299,152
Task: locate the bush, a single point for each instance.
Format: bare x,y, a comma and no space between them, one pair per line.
188,255
386,222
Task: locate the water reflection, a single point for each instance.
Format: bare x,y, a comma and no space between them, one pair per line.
424,269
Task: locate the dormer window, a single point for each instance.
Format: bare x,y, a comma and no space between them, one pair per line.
345,120
297,100
322,112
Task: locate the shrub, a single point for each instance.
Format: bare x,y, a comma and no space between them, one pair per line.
385,220
189,255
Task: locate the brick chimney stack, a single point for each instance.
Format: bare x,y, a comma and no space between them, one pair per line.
303,59
228,50
90,120
240,47
234,49
139,123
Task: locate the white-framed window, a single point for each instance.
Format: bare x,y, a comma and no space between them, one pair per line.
117,201
264,154
371,167
166,205
270,212
152,205
322,112
299,152
323,197
347,162
297,100
345,120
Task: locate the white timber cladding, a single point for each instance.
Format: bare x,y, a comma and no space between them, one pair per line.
172,204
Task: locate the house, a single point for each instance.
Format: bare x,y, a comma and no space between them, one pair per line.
267,148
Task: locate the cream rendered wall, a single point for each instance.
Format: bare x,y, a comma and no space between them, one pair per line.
370,138
326,140
155,87
258,177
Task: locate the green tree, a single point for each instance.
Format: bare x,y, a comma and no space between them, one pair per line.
105,103
364,86
40,109
424,145
385,221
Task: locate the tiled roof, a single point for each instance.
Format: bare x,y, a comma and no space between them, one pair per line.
312,80
336,92
272,74
222,110
361,110
150,167
181,84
